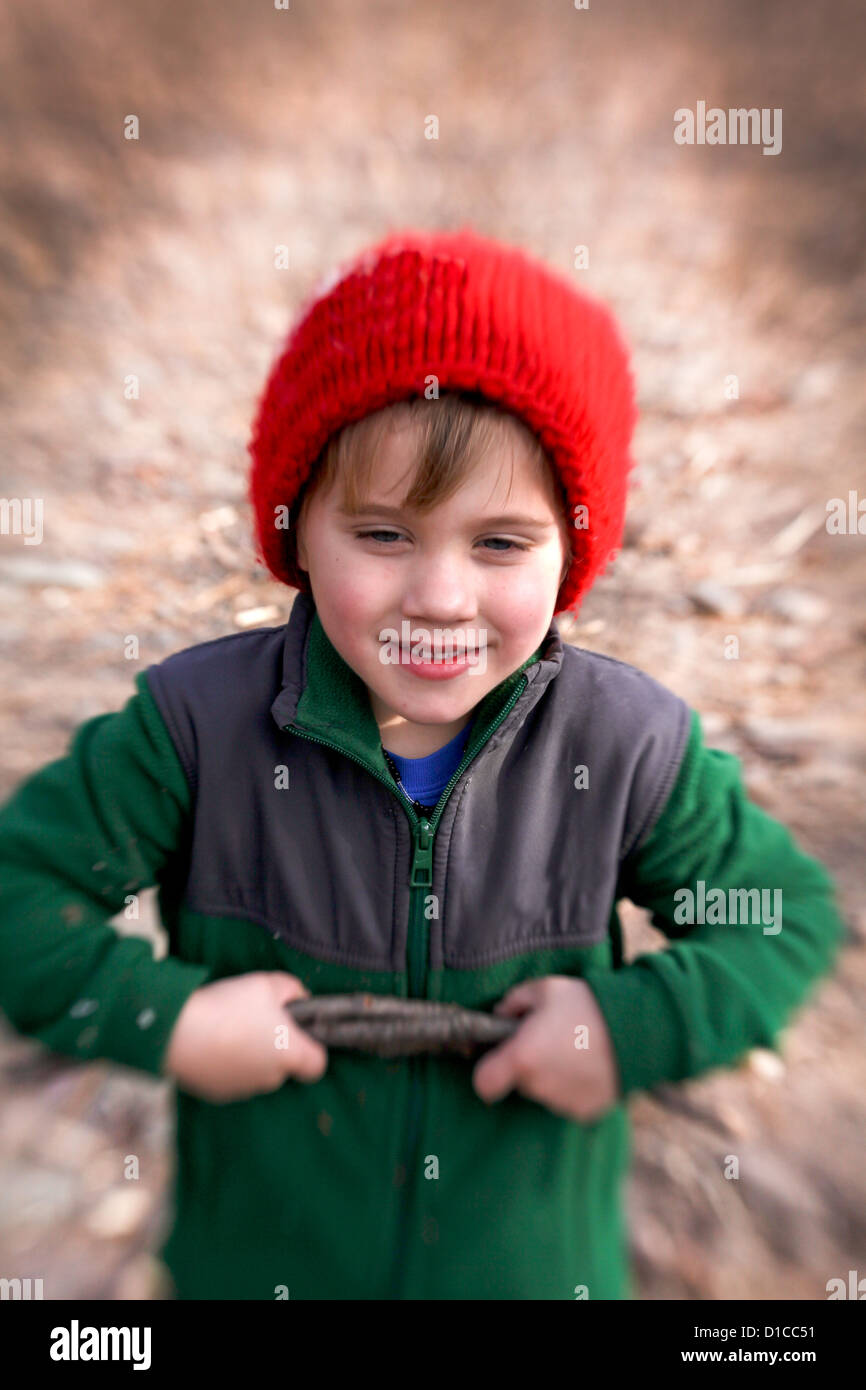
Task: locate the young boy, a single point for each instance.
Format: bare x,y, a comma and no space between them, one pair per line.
412,788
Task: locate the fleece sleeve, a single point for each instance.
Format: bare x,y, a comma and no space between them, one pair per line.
77,839
738,962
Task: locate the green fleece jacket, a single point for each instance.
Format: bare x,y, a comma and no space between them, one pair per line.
328,1190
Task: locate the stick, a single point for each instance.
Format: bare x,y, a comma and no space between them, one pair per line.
388,1026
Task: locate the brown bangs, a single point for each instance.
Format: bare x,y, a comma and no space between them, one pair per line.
451,435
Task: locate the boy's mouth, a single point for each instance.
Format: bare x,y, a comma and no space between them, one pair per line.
434,653
429,658
428,665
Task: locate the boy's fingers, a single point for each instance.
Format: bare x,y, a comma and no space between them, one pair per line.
287,987
522,997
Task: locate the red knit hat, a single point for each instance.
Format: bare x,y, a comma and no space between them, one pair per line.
478,315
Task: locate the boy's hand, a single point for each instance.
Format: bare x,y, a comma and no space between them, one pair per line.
223,1045
561,1055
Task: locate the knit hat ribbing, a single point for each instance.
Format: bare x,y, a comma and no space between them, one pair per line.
478,315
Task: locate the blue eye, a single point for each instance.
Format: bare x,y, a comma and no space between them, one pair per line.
372,535
501,540
491,540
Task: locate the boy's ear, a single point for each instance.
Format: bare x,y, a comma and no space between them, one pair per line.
566,566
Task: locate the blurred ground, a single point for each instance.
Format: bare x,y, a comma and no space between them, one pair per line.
306,128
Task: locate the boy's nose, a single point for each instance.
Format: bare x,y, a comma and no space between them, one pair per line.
439,585
438,590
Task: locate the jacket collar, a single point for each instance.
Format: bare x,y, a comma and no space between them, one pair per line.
321,694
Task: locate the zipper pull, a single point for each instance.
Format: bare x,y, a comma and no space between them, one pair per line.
422,861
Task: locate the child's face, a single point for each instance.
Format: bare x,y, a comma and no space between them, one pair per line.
449,569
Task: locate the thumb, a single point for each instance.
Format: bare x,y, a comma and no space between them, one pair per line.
493,1076
306,1059
309,1059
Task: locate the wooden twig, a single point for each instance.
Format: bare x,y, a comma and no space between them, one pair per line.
391,1027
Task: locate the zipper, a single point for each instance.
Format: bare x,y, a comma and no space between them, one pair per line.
420,877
